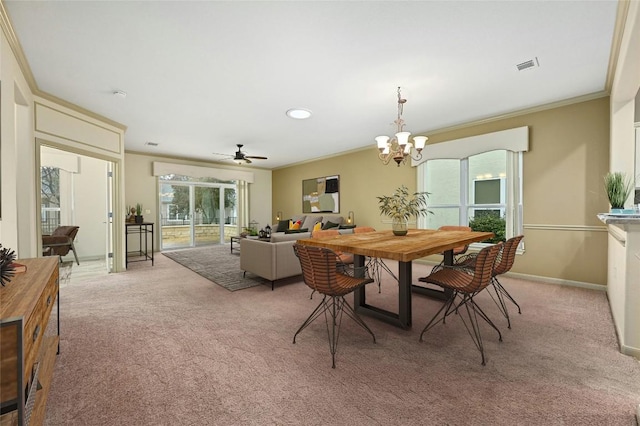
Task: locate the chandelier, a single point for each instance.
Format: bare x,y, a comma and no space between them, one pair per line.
398,148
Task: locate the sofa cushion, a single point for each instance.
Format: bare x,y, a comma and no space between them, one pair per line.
276,238
300,218
317,226
310,221
333,218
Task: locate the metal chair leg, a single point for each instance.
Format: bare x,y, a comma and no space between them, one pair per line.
348,309
315,314
333,310
445,307
506,293
73,249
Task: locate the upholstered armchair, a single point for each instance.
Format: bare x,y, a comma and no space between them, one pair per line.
60,242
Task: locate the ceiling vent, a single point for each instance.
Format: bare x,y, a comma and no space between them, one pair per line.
151,143
531,63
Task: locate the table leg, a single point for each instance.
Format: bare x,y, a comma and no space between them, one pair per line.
404,293
400,319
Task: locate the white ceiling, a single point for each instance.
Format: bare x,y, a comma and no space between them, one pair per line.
202,76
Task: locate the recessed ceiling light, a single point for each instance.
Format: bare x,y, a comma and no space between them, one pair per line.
299,113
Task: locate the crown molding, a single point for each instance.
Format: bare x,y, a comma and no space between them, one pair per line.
616,41
51,98
16,48
532,110
539,108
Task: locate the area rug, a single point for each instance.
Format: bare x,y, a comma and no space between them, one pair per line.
216,264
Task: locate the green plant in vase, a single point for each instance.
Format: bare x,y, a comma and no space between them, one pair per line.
139,218
618,187
401,206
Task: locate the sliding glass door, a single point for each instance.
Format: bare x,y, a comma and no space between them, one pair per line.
196,212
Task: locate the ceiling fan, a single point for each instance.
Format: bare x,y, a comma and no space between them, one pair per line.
241,157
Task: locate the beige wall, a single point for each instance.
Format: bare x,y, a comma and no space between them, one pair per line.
362,177
17,162
141,187
30,119
563,172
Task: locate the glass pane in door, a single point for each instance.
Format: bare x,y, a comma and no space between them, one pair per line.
175,216
207,215
230,227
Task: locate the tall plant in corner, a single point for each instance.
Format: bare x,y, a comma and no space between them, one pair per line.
618,187
401,206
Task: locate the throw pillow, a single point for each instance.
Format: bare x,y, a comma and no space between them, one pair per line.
311,220
283,225
329,225
333,218
317,226
295,225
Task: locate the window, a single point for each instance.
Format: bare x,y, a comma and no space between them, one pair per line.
50,199
196,210
474,182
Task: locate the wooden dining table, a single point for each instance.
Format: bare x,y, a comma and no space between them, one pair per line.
416,244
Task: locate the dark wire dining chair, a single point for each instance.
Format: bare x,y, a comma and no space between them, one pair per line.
465,284
503,264
319,273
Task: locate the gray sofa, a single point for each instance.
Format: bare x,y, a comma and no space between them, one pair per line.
275,259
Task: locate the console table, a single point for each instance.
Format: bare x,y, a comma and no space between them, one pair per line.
237,241
143,230
27,354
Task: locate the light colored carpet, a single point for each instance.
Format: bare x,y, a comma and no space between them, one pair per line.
161,345
218,264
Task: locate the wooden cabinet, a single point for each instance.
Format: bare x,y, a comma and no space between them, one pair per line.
28,351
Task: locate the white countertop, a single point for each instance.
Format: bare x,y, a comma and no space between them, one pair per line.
619,218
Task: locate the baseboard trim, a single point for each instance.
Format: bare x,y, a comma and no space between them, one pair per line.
558,281
548,280
630,350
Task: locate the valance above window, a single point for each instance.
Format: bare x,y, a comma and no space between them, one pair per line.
516,140
161,169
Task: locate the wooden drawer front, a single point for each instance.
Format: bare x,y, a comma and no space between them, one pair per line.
37,323
33,332
9,362
51,293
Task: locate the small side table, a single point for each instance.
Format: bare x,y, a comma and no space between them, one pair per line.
142,229
237,241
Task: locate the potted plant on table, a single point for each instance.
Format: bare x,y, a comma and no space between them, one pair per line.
618,187
139,217
401,206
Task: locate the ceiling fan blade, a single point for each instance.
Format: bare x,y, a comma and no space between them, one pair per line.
255,157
